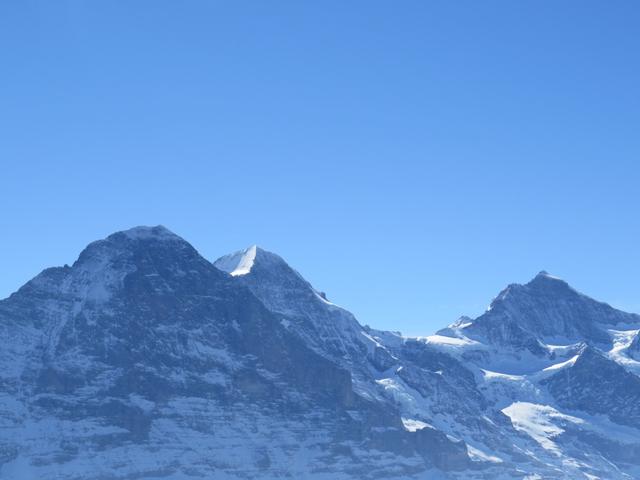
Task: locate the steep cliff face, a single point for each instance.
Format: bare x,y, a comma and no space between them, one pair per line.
143,353
599,386
331,330
546,311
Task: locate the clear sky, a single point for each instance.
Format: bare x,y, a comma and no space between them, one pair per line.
409,158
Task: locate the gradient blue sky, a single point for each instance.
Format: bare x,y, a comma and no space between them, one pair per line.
409,158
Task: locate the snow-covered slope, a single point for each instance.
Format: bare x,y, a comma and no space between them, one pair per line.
144,360
561,366
239,263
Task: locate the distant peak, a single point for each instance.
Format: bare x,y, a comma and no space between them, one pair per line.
144,232
542,284
157,237
238,263
547,275
545,279
256,261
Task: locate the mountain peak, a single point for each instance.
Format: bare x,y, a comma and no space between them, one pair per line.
548,309
142,232
250,260
148,238
543,274
547,281
238,263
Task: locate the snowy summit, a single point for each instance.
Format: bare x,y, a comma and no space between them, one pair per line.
238,263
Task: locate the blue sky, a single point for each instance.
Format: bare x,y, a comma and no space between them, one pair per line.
409,158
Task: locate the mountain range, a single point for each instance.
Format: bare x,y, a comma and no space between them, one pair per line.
144,360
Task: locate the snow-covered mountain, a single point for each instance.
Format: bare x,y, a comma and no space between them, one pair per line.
145,360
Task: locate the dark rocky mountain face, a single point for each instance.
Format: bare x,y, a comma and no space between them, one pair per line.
598,385
144,360
142,337
546,310
330,330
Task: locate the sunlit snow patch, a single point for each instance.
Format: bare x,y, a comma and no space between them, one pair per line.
537,421
444,341
413,425
238,263
490,375
622,340
477,455
561,365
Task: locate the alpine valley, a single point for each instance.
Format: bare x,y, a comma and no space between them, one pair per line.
143,360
